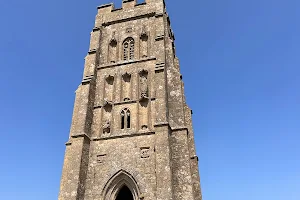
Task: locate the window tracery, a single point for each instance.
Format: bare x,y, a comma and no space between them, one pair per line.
125,119
128,49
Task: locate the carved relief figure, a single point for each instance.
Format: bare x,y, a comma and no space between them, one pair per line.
144,84
144,87
106,127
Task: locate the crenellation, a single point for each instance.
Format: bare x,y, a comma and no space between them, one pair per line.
127,4
106,8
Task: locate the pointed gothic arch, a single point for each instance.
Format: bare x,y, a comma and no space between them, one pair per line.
122,183
125,119
128,49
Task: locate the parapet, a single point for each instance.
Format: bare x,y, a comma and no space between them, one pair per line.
106,8
126,4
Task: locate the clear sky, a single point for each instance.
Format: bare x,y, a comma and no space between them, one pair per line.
240,64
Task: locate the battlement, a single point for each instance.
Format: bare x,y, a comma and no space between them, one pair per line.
106,8
129,4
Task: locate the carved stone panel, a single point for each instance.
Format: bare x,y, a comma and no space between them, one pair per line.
145,152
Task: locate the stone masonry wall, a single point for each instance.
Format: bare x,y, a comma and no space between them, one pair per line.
131,125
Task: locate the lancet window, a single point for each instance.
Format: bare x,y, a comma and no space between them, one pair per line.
125,119
128,49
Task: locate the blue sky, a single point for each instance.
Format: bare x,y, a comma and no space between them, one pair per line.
240,64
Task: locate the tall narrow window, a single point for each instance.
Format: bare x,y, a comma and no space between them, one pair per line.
125,119
128,119
122,119
128,49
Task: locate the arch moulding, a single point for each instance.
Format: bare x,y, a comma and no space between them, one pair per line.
115,184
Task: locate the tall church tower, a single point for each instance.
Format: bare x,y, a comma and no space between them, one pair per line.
131,135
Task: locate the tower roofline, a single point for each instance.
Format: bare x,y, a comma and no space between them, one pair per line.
126,4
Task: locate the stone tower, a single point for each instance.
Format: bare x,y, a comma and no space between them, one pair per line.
131,135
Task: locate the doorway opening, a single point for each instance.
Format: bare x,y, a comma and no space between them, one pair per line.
124,194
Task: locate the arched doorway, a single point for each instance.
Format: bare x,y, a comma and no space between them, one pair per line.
121,186
124,194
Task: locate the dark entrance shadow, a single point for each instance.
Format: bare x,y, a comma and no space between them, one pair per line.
124,194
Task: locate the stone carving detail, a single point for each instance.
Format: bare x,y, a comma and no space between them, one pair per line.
145,152
106,127
107,117
110,80
144,87
144,84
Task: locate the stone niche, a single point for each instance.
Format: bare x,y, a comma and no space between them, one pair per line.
126,87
